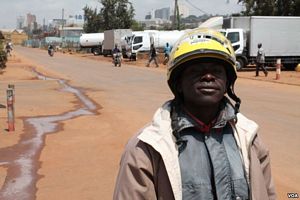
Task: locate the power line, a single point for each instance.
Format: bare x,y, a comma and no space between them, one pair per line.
193,5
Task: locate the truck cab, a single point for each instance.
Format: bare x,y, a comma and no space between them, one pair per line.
138,42
238,40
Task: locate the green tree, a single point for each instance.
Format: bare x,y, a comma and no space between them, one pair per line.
117,14
258,7
288,8
93,20
136,26
271,7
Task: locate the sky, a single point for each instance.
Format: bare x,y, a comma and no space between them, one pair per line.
52,9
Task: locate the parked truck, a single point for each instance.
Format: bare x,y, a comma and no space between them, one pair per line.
93,41
141,41
280,38
112,38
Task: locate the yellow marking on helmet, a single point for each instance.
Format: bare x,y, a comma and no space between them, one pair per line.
205,44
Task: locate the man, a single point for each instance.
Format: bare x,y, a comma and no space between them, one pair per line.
260,60
198,146
116,56
167,51
152,56
50,50
116,49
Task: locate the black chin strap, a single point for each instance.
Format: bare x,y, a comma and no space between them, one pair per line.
231,94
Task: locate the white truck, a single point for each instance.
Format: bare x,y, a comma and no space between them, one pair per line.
112,38
142,40
93,41
280,38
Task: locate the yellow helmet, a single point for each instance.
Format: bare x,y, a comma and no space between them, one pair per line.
201,43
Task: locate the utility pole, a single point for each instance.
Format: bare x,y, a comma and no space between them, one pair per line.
62,18
176,16
62,34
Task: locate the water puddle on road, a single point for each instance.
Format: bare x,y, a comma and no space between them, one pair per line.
22,159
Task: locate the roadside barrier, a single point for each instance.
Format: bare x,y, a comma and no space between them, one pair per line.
278,68
10,107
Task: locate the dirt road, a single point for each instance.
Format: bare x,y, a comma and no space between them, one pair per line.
82,125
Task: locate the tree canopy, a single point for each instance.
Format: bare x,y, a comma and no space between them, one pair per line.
93,20
114,14
271,7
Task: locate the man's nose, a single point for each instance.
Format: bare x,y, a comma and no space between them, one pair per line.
208,77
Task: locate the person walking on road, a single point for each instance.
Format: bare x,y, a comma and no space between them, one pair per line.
260,60
198,146
152,56
167,51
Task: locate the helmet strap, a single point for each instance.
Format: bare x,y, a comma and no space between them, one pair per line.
232,95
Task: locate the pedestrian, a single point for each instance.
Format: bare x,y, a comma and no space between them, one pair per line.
152,56
167,51
260,60
198,146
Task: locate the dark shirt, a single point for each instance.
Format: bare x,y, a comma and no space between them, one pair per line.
153,52
116,50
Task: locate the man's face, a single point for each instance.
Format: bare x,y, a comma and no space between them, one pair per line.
203,84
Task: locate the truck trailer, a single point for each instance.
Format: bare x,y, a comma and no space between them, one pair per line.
280,38
141,41
112,38
93,41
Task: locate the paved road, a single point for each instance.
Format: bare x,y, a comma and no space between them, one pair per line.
141,90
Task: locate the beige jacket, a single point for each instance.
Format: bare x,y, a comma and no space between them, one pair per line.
150,167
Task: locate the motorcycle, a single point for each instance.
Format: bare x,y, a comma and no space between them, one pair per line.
51,52
117,57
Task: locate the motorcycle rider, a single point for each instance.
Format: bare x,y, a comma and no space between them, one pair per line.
8,48
50,49
116,53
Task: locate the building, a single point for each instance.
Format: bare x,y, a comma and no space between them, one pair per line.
75,20
31,22
20,22
56,23
163,13
155,23
16,36
71,31
31,19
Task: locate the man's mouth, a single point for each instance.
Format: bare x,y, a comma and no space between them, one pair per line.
207,89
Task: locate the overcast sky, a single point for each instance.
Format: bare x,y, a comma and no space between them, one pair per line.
49,9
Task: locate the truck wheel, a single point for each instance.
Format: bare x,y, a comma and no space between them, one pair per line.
96,52
239,64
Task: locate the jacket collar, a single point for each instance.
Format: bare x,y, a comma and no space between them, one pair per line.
187,120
